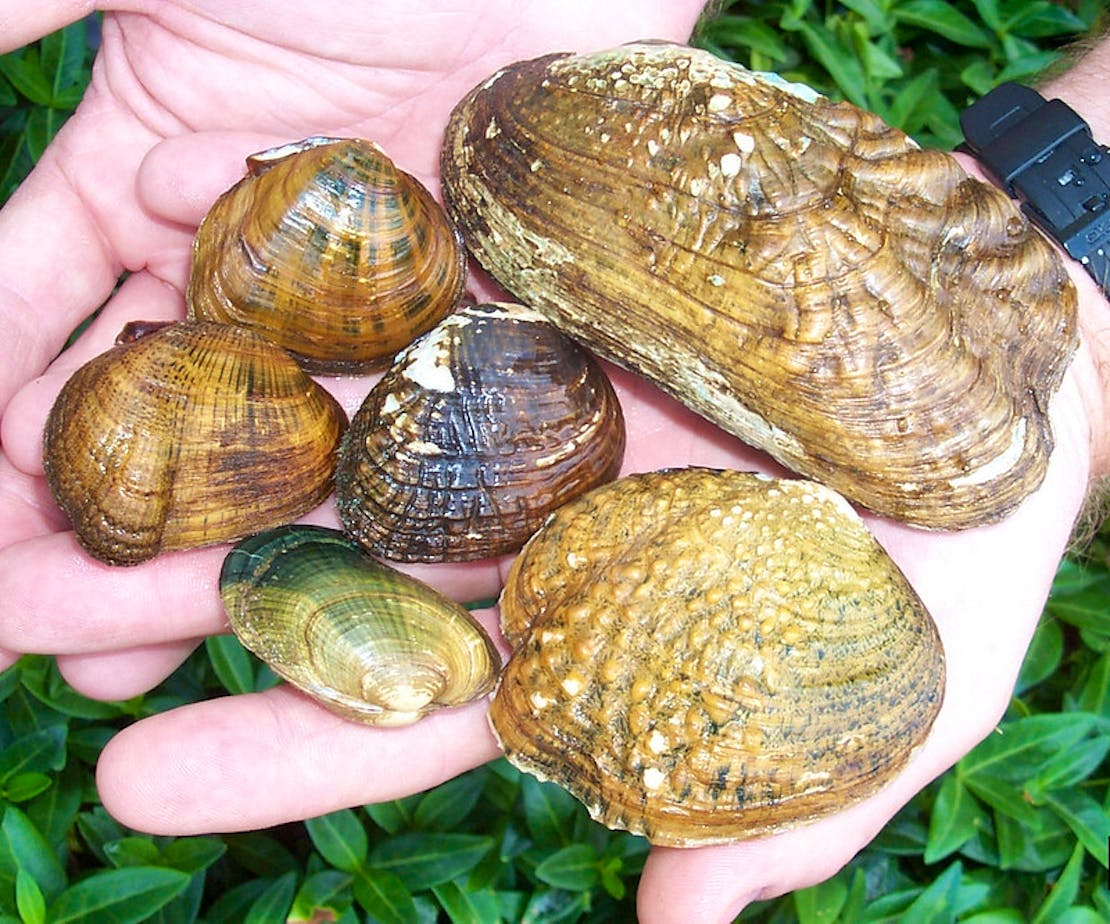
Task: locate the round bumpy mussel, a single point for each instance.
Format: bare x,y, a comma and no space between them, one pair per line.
793,269
330,251
366,641
478,430
702,656
187,435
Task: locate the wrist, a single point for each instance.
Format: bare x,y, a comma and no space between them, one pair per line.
1082,86
1008,132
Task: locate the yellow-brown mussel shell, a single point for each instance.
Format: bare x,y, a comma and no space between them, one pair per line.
331,251
478,430
192,434
366,641
795,270
702,656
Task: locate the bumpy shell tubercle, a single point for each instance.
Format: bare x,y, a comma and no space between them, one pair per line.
702,656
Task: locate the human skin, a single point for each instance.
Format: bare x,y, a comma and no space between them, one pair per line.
180,93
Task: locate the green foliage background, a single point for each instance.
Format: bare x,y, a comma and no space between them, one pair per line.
1017,831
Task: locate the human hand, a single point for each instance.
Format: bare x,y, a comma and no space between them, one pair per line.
251,761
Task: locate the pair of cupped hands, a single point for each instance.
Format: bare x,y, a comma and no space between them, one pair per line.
180,93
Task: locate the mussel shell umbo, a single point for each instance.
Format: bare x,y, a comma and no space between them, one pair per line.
478,430
366,641
331,251
184,435
795,270
702,656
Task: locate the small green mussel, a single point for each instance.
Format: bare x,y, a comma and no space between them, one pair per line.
368,642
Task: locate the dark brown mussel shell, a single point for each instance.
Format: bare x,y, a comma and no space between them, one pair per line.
331,251
190,434
478,431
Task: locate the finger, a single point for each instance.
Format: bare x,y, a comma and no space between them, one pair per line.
55,599
25,22
50,219
118,675
26,507
713,884
248,762
180,177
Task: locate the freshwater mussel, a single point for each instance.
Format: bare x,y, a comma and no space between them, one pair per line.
703,656
331,251
795,270
184,435
478,430
366,641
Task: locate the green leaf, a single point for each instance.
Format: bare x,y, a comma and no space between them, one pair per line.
384,896
23,847
822,903
937,904
465,907
193,854
744,32
320,894
391,817
1043,657
943,19
273,904
844,69
549,811
1041,843
121,896
23,787
54,812
63,55
555,906
29,899
954,820
574,868
444,807
44,749
1020,746
134,850
340,838
424,860
1063,892
40,675
260,853
1086,818
1085,608
234,666
1068,768
1095,695
1043,19
24,72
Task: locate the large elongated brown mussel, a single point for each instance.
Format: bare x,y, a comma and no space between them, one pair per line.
703,656
478,431
331,251
189,435
793,269
366,641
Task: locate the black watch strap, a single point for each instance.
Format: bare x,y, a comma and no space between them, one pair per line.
1043,154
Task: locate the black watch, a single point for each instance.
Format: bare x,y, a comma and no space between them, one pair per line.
1043,154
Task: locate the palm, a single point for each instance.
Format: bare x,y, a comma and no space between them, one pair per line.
163,129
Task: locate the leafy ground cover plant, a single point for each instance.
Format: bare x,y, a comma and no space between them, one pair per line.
1016,832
